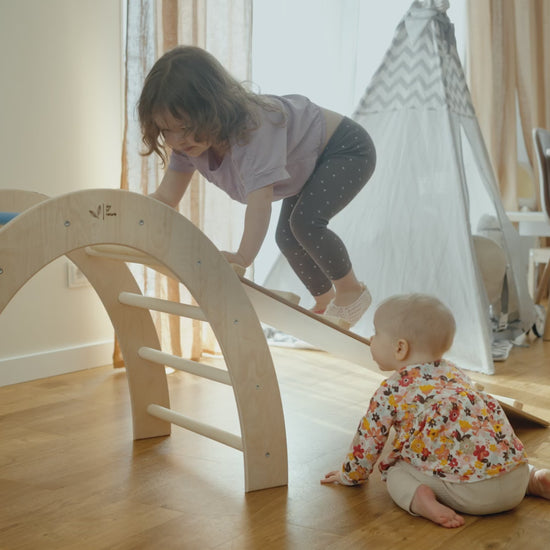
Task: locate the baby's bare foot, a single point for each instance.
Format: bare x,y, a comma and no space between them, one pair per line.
539,483
426,505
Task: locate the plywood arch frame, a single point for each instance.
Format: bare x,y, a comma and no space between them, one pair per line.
67,224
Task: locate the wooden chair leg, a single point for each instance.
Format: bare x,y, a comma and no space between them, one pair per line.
546,334
542,290
542,287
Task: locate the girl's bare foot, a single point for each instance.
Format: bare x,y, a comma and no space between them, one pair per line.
539,483
426,505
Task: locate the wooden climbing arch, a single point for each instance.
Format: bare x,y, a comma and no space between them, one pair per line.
47,228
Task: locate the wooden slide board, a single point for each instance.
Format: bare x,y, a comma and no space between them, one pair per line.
274,310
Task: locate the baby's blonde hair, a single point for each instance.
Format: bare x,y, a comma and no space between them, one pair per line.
423,320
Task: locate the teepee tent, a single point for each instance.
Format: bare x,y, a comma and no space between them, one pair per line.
413,227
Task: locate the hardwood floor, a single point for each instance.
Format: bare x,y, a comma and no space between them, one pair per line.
72,478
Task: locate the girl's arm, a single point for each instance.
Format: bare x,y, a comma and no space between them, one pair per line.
172,187
256,224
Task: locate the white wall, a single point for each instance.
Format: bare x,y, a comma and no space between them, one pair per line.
61,113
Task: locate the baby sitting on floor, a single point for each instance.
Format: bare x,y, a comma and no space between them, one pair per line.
454,449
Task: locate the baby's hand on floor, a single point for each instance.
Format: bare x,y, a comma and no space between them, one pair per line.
331,477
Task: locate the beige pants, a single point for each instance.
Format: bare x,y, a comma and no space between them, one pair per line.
477,498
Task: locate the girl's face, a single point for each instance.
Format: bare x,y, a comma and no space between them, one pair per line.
179,137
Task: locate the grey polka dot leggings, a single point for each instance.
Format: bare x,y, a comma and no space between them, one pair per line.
316,254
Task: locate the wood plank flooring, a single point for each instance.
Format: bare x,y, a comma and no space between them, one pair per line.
72,478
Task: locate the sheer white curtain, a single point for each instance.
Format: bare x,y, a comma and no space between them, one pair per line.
223,27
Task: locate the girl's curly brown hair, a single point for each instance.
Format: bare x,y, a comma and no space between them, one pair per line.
192,85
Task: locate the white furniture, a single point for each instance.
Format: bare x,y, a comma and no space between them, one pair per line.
537,224
531,224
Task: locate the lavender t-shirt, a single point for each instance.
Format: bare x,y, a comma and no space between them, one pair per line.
282,155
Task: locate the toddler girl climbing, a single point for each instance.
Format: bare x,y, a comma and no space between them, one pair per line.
453,447
258,149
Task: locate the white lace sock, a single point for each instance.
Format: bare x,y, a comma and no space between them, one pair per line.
353,312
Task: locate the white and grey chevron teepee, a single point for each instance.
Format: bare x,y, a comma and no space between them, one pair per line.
413,227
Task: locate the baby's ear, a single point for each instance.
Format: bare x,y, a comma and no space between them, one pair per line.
401,349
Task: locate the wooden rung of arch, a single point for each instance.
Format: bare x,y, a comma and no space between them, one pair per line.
207,430
164,306
185,365
127,254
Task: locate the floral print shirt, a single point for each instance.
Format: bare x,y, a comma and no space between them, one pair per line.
442,426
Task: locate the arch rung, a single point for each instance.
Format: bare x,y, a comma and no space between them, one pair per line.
178,363
126,254
227,438
164,306
118,252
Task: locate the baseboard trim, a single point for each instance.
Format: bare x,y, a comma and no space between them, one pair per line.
24,368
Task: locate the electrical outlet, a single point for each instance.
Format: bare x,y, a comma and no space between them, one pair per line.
75,277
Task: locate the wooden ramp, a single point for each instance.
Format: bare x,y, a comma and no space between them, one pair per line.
290,318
